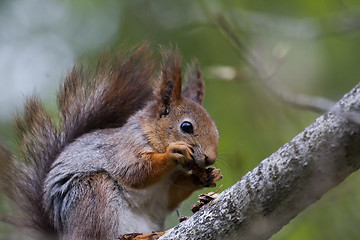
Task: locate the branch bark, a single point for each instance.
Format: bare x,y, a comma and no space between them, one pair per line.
285,183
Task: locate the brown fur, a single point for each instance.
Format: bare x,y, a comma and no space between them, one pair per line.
118,88
170,80
194,86
182,187
39,144
158,167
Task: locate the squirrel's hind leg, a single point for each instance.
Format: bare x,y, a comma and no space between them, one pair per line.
90,209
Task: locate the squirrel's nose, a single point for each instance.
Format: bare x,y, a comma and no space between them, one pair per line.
206,157
210,158
209,161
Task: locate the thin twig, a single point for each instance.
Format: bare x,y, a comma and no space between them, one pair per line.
263,73
342,22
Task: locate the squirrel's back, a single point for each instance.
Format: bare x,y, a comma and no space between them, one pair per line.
88,100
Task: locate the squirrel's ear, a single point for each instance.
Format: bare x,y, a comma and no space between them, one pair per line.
194,88
169,88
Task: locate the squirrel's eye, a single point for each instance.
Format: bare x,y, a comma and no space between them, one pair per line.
187,127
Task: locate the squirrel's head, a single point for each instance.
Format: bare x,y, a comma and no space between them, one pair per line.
177,115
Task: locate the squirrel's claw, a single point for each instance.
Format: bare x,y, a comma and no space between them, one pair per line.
213,176
207,177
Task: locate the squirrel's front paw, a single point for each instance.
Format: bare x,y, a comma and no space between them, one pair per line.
181,153
208,177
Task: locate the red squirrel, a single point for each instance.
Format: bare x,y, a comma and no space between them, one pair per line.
124,153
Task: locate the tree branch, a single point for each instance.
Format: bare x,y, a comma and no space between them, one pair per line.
285,183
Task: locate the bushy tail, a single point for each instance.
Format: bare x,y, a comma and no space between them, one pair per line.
88,100
106,98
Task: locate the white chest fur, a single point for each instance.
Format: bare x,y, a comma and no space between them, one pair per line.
146,209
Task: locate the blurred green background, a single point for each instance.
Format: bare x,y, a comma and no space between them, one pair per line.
40,40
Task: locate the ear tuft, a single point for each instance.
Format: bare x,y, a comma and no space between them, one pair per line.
169,88
194,88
